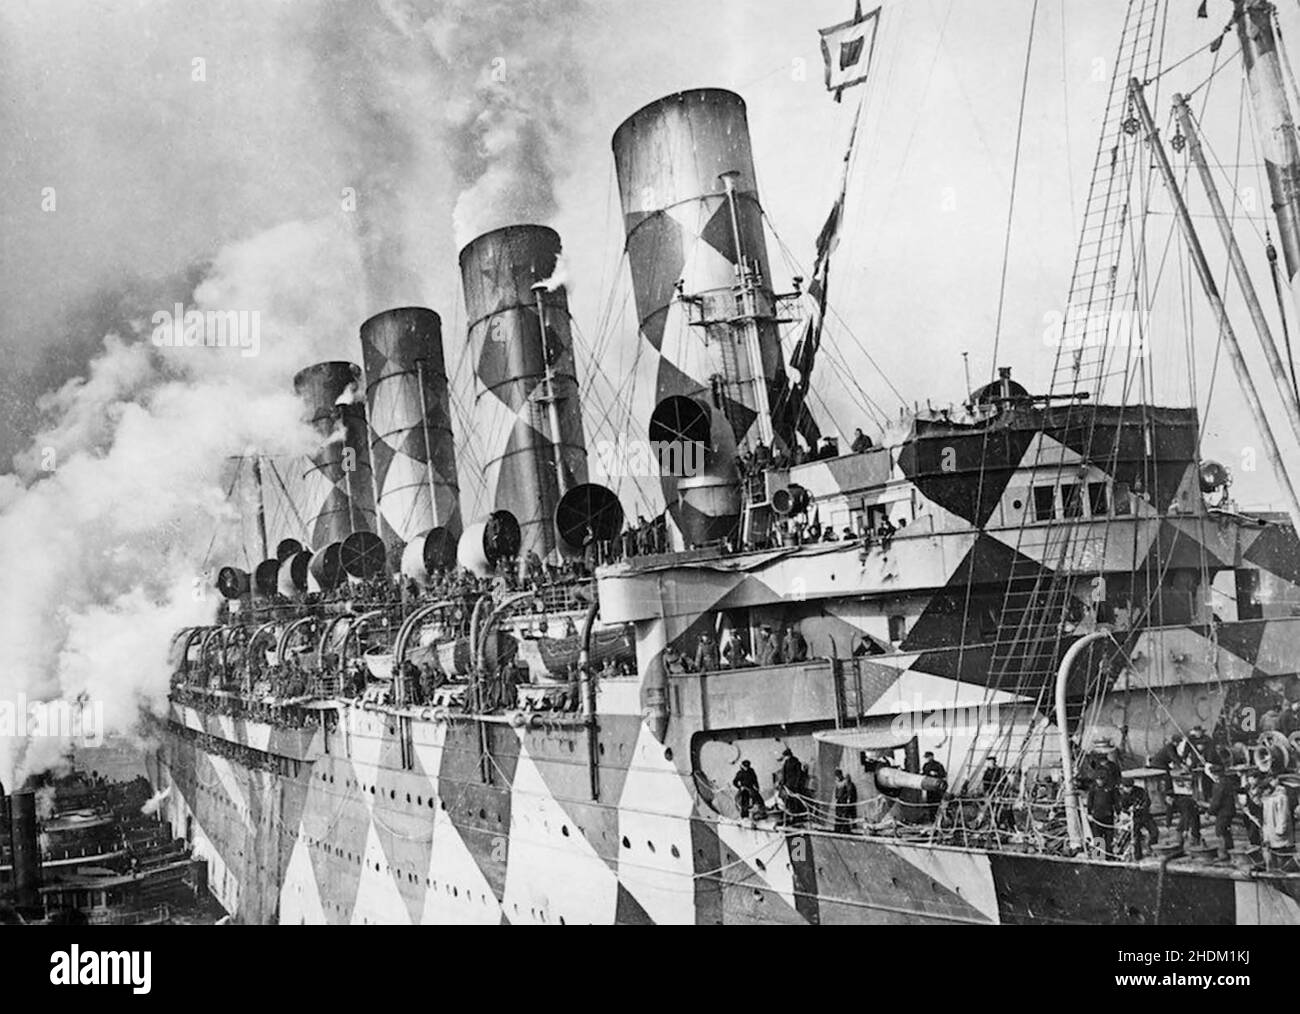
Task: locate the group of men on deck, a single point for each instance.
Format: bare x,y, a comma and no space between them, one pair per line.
786,646
792,792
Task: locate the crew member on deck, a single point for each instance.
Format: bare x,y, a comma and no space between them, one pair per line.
733,651
1103,804
706,656
846,800
1138,802
791,785
747,791
1165,758
1189,814
796,645
766,653
861,442
1223,805
933,769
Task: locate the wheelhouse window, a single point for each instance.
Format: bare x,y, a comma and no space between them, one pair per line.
1098,501
1044,503
897,628
1123,505
1072,500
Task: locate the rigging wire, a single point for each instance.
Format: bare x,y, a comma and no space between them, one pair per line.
1015,178
793,261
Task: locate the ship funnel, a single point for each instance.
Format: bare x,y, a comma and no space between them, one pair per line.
25,848
338,487
412,449
702,283
531,428
486,543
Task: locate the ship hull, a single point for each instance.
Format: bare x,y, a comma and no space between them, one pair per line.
405,820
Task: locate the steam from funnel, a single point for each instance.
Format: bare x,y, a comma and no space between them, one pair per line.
155,801
490,85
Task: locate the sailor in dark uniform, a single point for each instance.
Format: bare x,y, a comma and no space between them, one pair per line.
796,645
791,785
846,800
933,769
706,656
747,791
1138,802
1222,805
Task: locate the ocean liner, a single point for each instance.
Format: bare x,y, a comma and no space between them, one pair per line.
555,714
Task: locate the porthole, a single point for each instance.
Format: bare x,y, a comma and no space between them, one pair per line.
675,853
564,830
626,844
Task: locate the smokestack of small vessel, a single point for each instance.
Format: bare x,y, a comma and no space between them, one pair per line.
677,159
534,447
411,444
26,851
338,497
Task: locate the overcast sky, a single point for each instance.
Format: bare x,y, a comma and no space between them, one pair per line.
157,173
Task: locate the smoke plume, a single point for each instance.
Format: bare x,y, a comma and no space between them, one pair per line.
313,192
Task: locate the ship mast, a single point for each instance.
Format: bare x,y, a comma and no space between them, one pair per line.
1211,287
261,503
1260,51
1285,391
748,306
548,393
